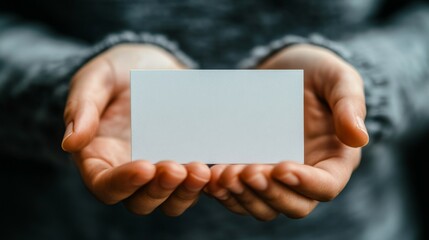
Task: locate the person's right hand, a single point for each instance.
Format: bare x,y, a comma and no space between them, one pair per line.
97,118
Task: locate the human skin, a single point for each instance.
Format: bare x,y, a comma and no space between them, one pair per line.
98,131
334,132
97,119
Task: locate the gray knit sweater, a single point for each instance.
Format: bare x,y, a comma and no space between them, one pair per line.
42,43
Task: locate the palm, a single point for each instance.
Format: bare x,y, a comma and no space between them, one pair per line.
321,141
112,141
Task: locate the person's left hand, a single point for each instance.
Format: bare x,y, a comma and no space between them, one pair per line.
334,133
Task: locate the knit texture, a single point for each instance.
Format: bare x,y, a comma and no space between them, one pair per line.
43,43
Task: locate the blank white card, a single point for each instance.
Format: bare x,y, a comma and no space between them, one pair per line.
217,116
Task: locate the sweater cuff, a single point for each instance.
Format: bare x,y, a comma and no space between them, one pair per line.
144,38
72,64
261,53
377,88
159,40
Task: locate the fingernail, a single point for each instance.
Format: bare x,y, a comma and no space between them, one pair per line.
67,133
258,182
361,125
290,179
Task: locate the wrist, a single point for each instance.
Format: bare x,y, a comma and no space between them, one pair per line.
142,55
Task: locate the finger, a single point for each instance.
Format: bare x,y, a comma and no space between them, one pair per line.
255,206
346,98
229,179
187,193
169,175
276,195
90,91
322,182
113,184
244,195
221,193
231,203
213,188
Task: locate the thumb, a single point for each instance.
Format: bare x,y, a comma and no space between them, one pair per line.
347,101
90,91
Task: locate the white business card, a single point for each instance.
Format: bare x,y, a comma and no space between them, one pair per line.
217,116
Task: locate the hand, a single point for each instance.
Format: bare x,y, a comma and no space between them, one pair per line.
334,133
97,116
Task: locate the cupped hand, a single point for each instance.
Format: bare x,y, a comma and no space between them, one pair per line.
97,118
334,132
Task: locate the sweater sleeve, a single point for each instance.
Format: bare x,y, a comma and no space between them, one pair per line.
393,60
36,65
